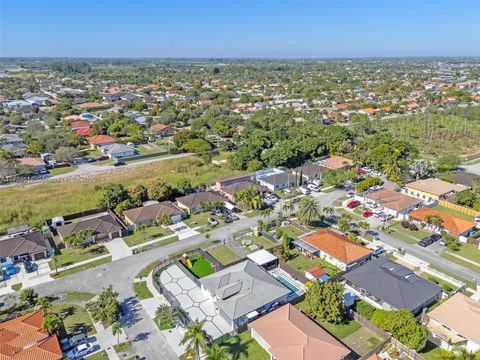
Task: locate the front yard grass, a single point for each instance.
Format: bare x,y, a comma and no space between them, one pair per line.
79,296
71,256
201,219
461,262
75,318
301,263
119,348
469,283
86,266
224,254
61,170
419,234
244,347
456,213
151,232
141,290
448,287
470,252
101,355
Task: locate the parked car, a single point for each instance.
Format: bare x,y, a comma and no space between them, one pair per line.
353,204
436,237
102,157
212,221
234,217
10,270
119,163
227,219
304,190
313,187
378,251
75,340
426,241
80,351
350,194
29,266
217,212
367,214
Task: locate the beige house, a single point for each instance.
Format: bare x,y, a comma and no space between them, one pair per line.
432,189
456,323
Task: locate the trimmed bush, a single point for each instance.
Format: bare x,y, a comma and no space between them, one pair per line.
405,224
413,227
364,309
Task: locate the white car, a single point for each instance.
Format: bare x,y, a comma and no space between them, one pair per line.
80,351
313,187
212,221
304,190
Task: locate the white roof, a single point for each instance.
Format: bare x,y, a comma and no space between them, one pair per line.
261,257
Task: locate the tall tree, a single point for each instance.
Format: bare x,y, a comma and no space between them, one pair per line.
51,323
117,330
216,352
196,338
308,210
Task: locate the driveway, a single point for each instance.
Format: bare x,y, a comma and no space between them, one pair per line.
183,231
117,248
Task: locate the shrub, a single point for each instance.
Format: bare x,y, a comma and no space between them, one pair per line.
447,288
405,224
364,309
432,279
413,227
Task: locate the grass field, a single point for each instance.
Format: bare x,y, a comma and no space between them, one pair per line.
71,256
75,318
454,213
79,296
141,290
291,231
61,170
38,202
302,263
470,252
223,254
419,234
461,262
151,233
244,347
469,283
101,355
75,269
201,267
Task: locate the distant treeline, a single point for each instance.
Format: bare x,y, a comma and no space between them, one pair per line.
71,67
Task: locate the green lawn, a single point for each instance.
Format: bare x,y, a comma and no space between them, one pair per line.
419,234
302,263
147,269
469,283
362,341
17,287
201,267
401,236
244,347
151,232
354,216
160,243
79,296
430,351
461,262
470,252
145,149
454,213
223,254
75,269
201,219
119,348
101,355
444,284
61,170
142,291
90,153
71,256
75,318
291,231
37,202
260,241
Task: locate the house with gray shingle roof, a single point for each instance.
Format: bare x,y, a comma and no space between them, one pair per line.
391,286
244,289
19,246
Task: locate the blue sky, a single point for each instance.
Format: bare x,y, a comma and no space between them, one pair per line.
239,28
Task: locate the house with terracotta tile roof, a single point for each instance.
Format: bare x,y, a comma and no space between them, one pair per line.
37,163
334,248
80,124
455,226
288,334
336,162
100,140
23,338
455,323
162,130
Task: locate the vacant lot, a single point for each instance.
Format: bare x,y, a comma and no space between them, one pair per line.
223,254
33,204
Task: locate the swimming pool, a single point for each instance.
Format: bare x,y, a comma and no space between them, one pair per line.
285,283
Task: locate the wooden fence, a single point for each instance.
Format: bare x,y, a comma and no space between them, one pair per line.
459,208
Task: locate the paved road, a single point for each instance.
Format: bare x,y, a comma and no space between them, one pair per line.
90,169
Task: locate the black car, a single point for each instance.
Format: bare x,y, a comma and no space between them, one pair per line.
426,241
29,266
119,163
227,219
436,237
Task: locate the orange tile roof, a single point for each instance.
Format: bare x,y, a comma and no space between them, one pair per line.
100,139
336,162
337,246
91,105
23,338
341,106
83,132
450,222
80,124
315,271
160,127
291,335
32,161
368,110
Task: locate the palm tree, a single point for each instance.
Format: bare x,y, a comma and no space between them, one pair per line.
266,213
329,210
51,323
363,225
196,339
434,220
117,330
392,168
43,304
308,210
288,207
249,198
165,219
165,314
216,352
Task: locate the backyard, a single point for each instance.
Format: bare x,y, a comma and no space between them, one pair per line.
260,241
244,347
223,254
70,256
151,232
301,263
291,231
453,212
75,318
201,267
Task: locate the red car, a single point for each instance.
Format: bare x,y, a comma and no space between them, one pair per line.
353,204
367,214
